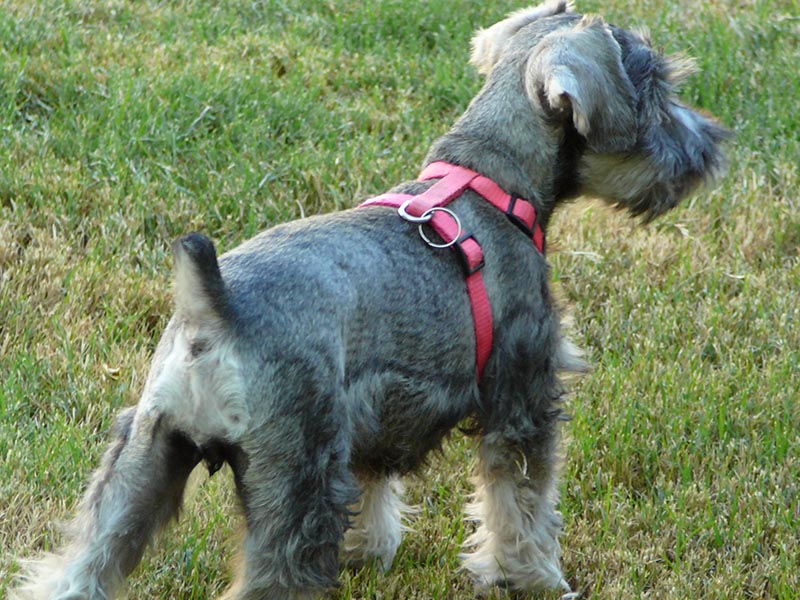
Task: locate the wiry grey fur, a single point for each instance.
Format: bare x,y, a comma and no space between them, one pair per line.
326,357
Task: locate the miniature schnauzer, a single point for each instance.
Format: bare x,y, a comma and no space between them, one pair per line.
324,358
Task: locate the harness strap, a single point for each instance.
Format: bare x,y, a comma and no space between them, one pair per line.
428,208
519,211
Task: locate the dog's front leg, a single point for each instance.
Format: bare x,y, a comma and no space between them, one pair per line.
377,525
137,489
516,543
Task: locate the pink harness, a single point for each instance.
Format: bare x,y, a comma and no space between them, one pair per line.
429,208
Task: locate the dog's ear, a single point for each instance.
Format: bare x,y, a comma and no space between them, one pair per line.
488,44
577,73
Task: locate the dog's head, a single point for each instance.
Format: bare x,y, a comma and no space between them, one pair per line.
611,95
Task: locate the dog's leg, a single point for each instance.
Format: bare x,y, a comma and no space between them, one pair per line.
516,542
137,489
295,486
516,479
376,528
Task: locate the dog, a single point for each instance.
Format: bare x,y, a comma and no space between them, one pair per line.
325,358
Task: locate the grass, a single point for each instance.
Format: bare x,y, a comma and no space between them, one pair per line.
125,124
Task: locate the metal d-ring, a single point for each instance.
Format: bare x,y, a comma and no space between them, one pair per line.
429,214
423,218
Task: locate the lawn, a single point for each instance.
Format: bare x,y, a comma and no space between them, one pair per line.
125,124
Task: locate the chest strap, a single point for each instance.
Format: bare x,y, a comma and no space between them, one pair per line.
428,208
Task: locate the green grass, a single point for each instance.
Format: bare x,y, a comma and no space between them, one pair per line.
126,124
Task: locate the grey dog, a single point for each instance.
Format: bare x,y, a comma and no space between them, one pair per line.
323,359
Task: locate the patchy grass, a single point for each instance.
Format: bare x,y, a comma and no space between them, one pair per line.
125,124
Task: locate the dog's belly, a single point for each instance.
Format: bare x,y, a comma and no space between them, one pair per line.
394,452
398,423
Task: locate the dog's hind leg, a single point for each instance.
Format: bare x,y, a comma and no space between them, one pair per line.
137,489
193,398
294,481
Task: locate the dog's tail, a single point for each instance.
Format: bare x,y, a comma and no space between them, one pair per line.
200,294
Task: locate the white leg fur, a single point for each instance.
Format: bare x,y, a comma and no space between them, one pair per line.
135,492
516,542
377,527
51,578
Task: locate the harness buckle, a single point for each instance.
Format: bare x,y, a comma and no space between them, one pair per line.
517,220
470,253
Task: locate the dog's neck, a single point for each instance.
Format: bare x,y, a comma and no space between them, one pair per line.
496,161
528,157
